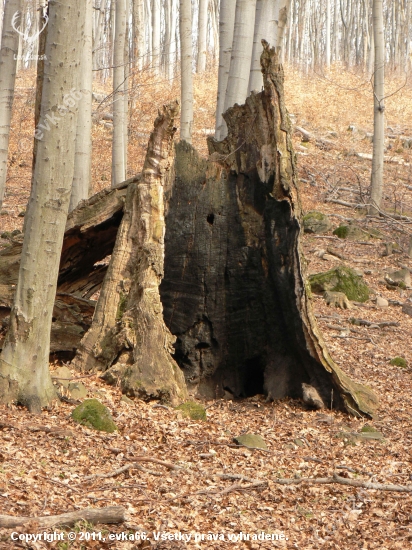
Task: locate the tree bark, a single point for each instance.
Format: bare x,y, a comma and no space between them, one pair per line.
202,36
83,155
379,109
186,117
24,361
226,29
118,147
128,334
237,84
8,65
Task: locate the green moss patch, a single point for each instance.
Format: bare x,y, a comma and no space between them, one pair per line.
93,414
340,279
192,410
399,362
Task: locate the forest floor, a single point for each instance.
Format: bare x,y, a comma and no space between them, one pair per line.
46,462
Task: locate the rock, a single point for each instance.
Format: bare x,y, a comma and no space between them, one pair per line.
126,400
407,308
336,299
399,362
192,410
251,441
62,376
351,232
93,414
4,213
299,442
311,397
401,278
340,279
382,302
390,248
77,390
316,222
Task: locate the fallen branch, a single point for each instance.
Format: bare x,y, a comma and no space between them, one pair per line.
132,465
111,514
344,481
382,324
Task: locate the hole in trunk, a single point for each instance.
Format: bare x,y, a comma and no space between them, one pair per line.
210,219
254,376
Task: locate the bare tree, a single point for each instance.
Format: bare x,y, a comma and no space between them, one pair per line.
8,53
379,108
83,157
226,29
237,85
202,36
186,118
24,362
118,147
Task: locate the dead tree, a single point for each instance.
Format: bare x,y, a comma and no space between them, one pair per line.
234,291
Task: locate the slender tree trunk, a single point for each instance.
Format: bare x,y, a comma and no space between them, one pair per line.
327,37
379,108
171,58
24,362
261,32
186,118
118,155
202,36
238,81
126,87
284,11
83,156
156,47
138,34
8,66
226,29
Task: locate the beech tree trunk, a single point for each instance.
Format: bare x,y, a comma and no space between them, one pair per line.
83,156
378,109
202,37
8,65
24,361
186,118
226,29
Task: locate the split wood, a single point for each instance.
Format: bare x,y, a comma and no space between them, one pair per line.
110,514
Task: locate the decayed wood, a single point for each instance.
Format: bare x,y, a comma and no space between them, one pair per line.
89,238
234,291
104,516
128,332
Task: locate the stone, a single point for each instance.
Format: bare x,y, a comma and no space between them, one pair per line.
77,390
252,441
398,277
407,308
299,442
382,302
316,222
340,279
351,232
95,415
336,299
62,376
192,410
311,397
126,400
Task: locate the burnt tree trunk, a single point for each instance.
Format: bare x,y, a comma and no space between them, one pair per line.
233,293
234,290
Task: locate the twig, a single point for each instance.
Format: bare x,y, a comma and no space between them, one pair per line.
344,481
132,465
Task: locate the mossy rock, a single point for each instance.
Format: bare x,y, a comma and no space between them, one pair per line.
399,362
93,414
316,222
351,232
251,441
192,410
340,279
